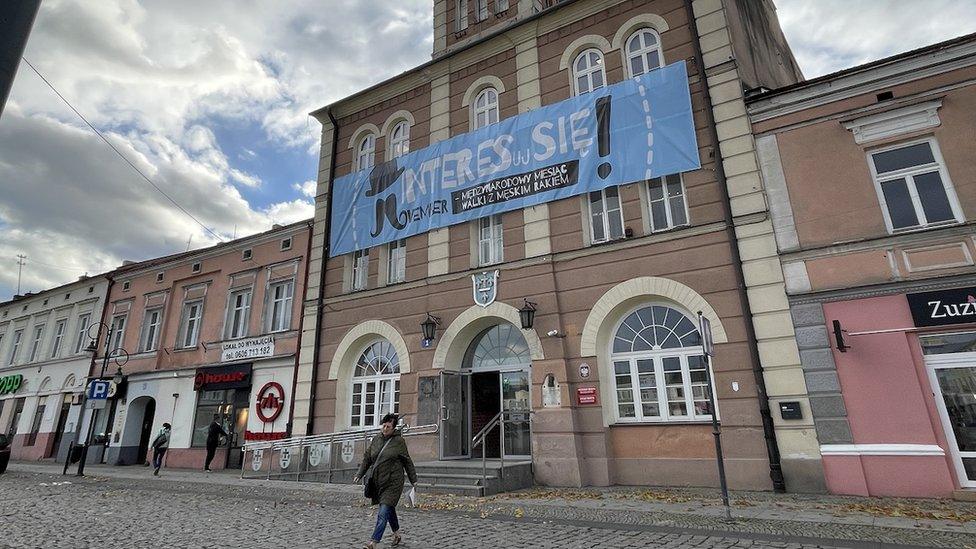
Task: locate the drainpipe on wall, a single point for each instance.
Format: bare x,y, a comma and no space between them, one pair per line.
301,327
769,433
320,308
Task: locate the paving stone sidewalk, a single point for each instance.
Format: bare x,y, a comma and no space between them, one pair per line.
766,517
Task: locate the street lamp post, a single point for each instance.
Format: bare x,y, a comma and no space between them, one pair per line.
93,348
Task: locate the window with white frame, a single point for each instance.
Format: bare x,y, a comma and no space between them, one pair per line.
238,313
913,186
588,72
190,323
375,384
658,368
643,50
360,269
282,295
481,10
151,323
59,328
117,332
15,346
460,15
365,152
36,343
400,139
666,202
501,6
606,216
396,265
490,240
83,322
485,108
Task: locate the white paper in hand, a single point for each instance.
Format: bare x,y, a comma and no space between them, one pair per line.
412,497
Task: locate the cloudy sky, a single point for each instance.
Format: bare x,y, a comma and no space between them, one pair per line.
210,100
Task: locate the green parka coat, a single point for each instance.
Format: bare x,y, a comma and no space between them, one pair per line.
390,467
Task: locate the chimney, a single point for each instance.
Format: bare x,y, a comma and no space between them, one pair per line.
126,262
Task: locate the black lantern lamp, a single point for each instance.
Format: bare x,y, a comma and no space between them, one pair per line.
92,347
429,327
527,315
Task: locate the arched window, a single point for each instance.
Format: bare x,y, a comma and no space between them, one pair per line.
485,108
659,373
588,72
364,154
400,139
643,52
375,384
501,346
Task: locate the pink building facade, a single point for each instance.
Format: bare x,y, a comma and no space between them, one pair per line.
868,175
211,333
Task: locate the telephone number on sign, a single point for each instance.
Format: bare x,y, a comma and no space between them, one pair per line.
247,353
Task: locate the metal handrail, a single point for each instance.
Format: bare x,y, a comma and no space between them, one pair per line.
479,438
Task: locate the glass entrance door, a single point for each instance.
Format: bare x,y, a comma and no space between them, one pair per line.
516,405
951,362
455,431
957,388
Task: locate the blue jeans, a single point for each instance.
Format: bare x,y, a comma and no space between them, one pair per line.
386,514
158,457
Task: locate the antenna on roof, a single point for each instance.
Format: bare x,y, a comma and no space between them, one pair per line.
188,242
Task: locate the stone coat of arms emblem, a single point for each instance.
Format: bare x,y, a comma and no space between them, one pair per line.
485,287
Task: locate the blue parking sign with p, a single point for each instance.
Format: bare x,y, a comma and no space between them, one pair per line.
99,389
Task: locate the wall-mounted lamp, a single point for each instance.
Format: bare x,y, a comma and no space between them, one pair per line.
527,315
429,328
839,337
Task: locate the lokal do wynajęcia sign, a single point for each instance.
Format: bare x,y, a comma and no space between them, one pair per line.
237,376
943,307
630,131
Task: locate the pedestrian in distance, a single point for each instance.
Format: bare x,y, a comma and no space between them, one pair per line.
159,446
382,471
214,432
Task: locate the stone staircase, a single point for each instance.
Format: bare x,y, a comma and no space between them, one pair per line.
464,477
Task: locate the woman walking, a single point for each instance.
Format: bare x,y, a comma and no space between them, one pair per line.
382,471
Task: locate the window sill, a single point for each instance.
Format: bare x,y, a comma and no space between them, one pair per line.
186,349
929,227
620,423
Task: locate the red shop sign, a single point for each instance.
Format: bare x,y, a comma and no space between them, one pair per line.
270,401
586,395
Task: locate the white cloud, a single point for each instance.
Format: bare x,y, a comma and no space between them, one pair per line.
830,35
307,188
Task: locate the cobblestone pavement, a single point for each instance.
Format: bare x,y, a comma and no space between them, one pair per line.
125,507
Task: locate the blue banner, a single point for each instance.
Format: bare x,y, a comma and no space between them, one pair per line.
630,131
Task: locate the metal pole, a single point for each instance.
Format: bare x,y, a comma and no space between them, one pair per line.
717,433
91,424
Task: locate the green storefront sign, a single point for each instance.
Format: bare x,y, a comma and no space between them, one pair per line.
9,384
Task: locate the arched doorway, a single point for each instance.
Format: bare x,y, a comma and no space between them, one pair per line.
494,378
145,433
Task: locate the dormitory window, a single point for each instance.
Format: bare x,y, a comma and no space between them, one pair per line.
117,332
485,108
360,269
667,202
58,337
643,52
501,6
190,322
83,321
588,72
400,140
36,343
238,313
150,330
15,347
913,186
461,15
364,154
490,240
606,217
397,261
481,10
281,299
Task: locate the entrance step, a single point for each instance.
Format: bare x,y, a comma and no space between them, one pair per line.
465,477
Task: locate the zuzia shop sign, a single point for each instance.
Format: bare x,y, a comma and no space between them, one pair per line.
943,307
631,131
10,384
